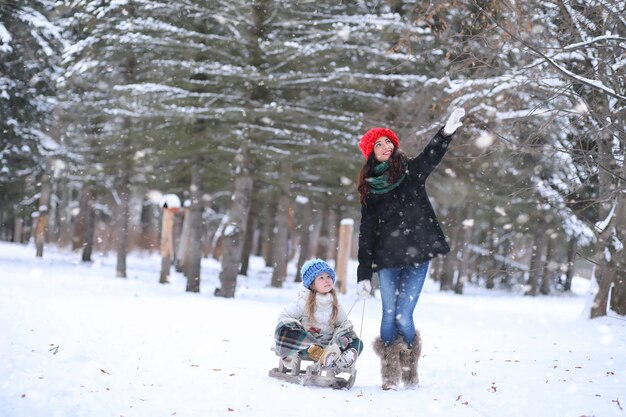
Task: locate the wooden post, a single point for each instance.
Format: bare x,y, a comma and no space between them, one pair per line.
40,230
170,204
183,242
167,228
343,253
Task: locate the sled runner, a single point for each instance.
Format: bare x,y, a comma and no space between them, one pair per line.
314,374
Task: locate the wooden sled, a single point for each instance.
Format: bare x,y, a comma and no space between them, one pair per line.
314,374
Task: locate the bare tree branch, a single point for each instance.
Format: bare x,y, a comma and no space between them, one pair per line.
595,84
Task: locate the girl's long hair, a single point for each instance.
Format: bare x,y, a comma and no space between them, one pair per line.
311,306
397,168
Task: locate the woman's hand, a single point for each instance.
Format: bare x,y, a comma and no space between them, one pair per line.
454,122
364,288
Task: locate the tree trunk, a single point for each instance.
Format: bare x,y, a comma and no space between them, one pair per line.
18,229
177,233
28,229
322,242
122,225
503,269
217,243
90,224
253,215
571,259
262,236
547,273
194,258
65,216
604,276
78,236
450,262
468,228
605,268
332,234
434,269
293,242
235,234
306,223
316,232
488,264
5,220
536,263
53,208
270,228
42,219
618,293
240,208
148,231
212,228
281,241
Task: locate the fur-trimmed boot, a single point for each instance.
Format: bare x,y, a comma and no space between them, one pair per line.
390,362
409,358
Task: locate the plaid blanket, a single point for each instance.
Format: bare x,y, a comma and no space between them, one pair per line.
291,337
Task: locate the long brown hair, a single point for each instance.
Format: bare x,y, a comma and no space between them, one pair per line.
310,306
397,168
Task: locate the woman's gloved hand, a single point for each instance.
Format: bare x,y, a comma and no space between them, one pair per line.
454,121
364,288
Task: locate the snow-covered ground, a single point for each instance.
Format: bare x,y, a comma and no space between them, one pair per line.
76,341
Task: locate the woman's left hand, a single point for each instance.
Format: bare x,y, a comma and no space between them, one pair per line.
454,122
364,288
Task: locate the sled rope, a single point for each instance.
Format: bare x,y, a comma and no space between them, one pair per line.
362,319
362,315
351,307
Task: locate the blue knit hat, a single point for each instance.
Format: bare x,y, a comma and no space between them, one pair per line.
311,269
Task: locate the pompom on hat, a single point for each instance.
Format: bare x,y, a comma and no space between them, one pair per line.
312,268
369,139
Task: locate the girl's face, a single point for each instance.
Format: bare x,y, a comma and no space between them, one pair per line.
323,283
383,148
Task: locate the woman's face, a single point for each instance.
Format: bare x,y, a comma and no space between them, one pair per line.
323,283
383,148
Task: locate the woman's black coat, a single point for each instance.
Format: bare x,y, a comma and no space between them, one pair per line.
399,228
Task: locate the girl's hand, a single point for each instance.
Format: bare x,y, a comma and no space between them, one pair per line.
454,122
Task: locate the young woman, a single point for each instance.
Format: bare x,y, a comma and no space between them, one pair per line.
314,325
399,235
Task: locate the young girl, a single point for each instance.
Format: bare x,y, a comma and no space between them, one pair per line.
314,326
399,235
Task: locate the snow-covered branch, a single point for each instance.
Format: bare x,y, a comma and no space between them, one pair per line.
596,84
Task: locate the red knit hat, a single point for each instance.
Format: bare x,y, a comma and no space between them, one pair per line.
369,139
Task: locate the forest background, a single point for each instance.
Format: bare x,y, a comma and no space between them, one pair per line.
250,112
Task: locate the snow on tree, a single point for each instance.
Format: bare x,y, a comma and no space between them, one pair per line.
29,57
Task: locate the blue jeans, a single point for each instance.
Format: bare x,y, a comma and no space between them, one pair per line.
400,289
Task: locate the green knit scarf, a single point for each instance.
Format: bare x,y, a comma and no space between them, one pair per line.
379,183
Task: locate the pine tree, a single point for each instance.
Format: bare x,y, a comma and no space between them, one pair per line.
29,57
